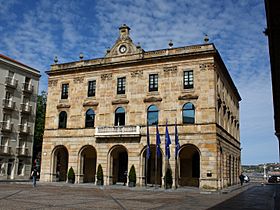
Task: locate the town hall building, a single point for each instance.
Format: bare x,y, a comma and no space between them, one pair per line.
99,111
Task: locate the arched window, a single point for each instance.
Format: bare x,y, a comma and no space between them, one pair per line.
62,119
90,118
188,113
152,116
119,116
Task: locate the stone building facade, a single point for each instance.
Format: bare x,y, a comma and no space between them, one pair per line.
18,94
98,111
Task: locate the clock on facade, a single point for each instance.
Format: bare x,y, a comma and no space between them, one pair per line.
122,49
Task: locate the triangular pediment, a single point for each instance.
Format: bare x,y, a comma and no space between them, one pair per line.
124,45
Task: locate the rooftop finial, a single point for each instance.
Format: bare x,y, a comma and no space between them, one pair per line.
81,56
55,59
206,38
170,44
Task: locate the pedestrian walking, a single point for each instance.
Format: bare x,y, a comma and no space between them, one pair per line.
34,175
241,177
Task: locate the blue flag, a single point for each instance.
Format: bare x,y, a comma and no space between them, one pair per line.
167,142
158,142
148,151
177,145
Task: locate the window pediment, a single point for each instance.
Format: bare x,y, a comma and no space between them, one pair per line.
120,101
187,97
61,106
90,103
152,99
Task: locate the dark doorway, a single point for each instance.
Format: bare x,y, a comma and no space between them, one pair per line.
88,164
119,164
189,166
152,176
61,163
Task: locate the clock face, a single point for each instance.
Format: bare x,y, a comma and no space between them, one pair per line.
122,49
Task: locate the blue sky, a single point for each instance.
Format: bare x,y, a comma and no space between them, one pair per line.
33,32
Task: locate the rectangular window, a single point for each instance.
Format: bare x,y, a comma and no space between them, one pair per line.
91,88
121,85
64,91
153,82
188,79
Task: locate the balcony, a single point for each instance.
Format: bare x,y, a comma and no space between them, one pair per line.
22,151
117,131
11,82
5,150
6,126
26,108
9,104
27,88
24,129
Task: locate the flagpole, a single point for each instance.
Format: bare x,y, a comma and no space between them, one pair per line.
176,173
147,155
156,170
177,147
146,166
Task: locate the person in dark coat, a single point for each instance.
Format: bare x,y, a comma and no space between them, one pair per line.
34,175
241,177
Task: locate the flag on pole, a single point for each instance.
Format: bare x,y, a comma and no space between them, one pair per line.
167,142
177,145
158,141
148,151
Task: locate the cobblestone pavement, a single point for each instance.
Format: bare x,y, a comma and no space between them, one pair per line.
265,197
87,196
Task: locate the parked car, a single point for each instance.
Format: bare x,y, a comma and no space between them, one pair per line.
246,179
274,179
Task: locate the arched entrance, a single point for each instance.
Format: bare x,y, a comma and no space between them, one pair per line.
189,161
118,164
60,160
153,177
88,163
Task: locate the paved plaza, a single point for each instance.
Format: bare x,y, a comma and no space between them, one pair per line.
88,196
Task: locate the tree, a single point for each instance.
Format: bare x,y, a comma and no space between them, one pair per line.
132,176
71,176
39,125
99,175
168,178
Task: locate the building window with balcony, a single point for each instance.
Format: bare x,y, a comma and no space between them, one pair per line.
2,167
8,101
90,115
152,115
64,91
62,120
188,113
91,88
153,82
20,168
121,85
120,117
188,79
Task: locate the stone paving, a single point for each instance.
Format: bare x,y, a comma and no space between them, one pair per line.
88,196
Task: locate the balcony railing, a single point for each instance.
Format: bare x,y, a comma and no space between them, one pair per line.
24,128
27,87
22,151
9,104
117,131
26,108
6,126
5,150
11,82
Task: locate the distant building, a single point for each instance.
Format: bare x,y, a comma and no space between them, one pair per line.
98,111
273,32
18,94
